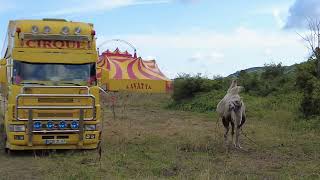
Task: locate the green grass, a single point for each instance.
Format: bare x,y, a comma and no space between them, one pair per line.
148,141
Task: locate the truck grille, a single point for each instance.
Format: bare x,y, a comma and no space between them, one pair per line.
55,115
55,100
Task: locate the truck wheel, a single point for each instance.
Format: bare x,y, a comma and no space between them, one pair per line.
2,137
7,151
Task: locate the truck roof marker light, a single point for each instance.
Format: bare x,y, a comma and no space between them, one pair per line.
46,29
34,29
77,30
65,30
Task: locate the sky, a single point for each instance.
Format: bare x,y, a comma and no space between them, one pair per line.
211,37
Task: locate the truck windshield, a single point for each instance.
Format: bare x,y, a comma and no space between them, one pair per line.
54,74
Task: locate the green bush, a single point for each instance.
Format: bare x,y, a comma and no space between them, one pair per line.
250,82
272,71
187,86
202,102
274,88
269,81
309,84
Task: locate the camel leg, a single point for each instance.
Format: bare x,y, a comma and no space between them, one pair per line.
238,121
226,135
226,127
234,123
237,138
232,132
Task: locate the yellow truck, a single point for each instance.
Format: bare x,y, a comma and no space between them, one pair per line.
49,90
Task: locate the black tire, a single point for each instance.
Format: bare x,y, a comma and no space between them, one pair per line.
7,151
4,142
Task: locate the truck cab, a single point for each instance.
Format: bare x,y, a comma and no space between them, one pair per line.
49,87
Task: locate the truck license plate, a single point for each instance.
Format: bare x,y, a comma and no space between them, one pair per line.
55,141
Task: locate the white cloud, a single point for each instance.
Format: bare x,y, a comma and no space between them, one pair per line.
278,17
99,5
211,57
189,1
149,58
279,12
222,53
241,37
268,9
268,52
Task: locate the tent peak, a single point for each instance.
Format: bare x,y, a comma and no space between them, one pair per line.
118,52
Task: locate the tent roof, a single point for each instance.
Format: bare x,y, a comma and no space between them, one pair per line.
129,72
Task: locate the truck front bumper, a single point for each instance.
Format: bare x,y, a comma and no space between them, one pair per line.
90,140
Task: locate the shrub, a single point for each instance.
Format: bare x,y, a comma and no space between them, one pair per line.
271,80
202,102
250,82
272,71
309,84
187,86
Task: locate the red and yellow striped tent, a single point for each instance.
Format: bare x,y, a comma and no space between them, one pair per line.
128,72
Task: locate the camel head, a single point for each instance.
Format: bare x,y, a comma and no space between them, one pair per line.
233,84
235,90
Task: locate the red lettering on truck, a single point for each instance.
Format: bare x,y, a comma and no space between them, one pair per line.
30,44
58,44
54,44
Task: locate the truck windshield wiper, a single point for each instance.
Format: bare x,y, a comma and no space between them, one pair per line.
37,83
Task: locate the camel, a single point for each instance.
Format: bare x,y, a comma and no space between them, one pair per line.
232,110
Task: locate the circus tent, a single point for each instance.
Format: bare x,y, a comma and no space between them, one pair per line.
128,72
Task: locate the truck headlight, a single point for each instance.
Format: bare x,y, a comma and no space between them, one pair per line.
50,125
37,125
90,127
17,128
74,125
62,124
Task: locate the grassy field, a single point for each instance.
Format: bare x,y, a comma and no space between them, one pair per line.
148,141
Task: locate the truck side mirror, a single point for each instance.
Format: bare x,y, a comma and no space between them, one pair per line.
3,71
